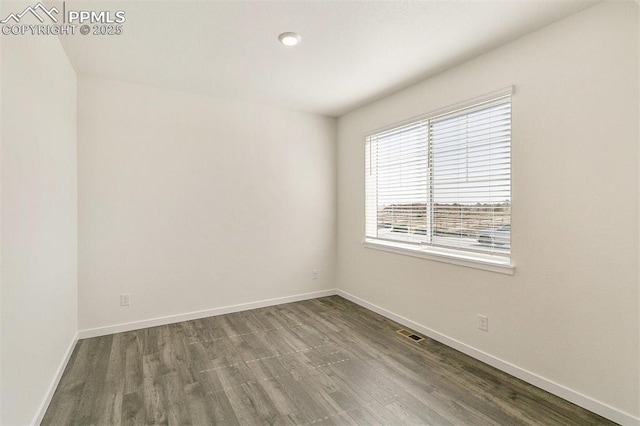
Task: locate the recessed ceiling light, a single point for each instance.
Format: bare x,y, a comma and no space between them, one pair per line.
289,39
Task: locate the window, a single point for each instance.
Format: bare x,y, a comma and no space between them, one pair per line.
441,185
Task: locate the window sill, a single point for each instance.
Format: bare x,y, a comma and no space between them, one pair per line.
469,260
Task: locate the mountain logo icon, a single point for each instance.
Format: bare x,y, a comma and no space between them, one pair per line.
34,11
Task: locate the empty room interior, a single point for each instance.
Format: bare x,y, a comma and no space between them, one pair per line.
320,212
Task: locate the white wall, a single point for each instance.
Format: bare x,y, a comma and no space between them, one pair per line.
191,203
38,193
570,313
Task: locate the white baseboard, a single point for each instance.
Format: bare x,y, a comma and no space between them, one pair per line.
170,319
42,410
570,395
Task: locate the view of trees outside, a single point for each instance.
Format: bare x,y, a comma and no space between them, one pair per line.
448,219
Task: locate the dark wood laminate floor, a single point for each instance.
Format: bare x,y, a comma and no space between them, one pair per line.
324,361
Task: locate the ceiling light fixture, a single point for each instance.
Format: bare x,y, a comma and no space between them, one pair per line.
289,39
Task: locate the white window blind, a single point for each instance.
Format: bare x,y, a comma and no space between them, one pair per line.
443,181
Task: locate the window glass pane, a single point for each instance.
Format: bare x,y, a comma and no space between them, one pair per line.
400,185
472,179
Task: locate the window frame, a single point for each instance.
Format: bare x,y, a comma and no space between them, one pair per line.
461,257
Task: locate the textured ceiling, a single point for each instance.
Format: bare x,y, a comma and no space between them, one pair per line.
352,52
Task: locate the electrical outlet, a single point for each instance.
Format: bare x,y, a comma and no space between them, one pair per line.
314,274
483,322
125,299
